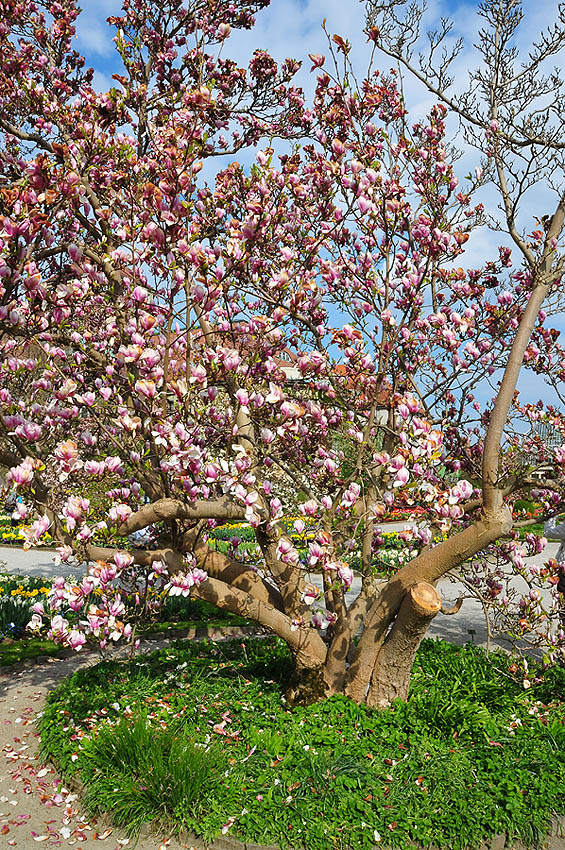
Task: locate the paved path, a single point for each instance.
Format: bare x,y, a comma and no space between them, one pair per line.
34,562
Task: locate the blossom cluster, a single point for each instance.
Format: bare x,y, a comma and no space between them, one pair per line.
98,609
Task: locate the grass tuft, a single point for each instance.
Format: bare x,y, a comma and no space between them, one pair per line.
141,772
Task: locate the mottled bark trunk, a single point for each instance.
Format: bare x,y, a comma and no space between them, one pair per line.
336,660
308,683
393,668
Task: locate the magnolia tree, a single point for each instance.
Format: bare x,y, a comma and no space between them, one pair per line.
192,352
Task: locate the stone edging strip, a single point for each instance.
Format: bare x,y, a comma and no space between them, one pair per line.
555,840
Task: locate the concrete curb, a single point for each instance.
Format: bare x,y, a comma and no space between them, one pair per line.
555,840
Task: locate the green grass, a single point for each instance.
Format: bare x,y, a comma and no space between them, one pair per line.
469,755
166,774
20,650
212,623
536,528
11,653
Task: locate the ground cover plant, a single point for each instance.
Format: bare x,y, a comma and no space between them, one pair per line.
471,753
15,651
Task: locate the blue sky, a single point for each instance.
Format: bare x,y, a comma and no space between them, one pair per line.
294,28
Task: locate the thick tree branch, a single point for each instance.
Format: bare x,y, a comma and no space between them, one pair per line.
143,557
492,447
306,644
169,509
239,575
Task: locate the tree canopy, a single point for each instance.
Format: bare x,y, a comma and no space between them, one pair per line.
301,335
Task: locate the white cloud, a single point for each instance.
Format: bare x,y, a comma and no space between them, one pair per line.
102,82
94,36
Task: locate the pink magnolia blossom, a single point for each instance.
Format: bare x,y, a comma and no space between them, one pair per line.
113,464
36,531
322,618
123,559
310,594
180,584
22,474
345,573
146,388
67,456
120,512
401,478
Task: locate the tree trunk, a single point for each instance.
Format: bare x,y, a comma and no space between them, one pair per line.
308,684
393,667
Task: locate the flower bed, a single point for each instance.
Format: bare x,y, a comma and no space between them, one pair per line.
197,737
394,551
17,595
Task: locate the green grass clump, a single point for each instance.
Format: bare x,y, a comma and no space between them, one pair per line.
141,772
469,755
181,611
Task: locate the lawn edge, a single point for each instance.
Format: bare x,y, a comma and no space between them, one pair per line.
218,632
554,840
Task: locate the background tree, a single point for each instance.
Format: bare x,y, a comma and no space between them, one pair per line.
147,319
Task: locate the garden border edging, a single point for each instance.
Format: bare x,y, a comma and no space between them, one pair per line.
555,840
